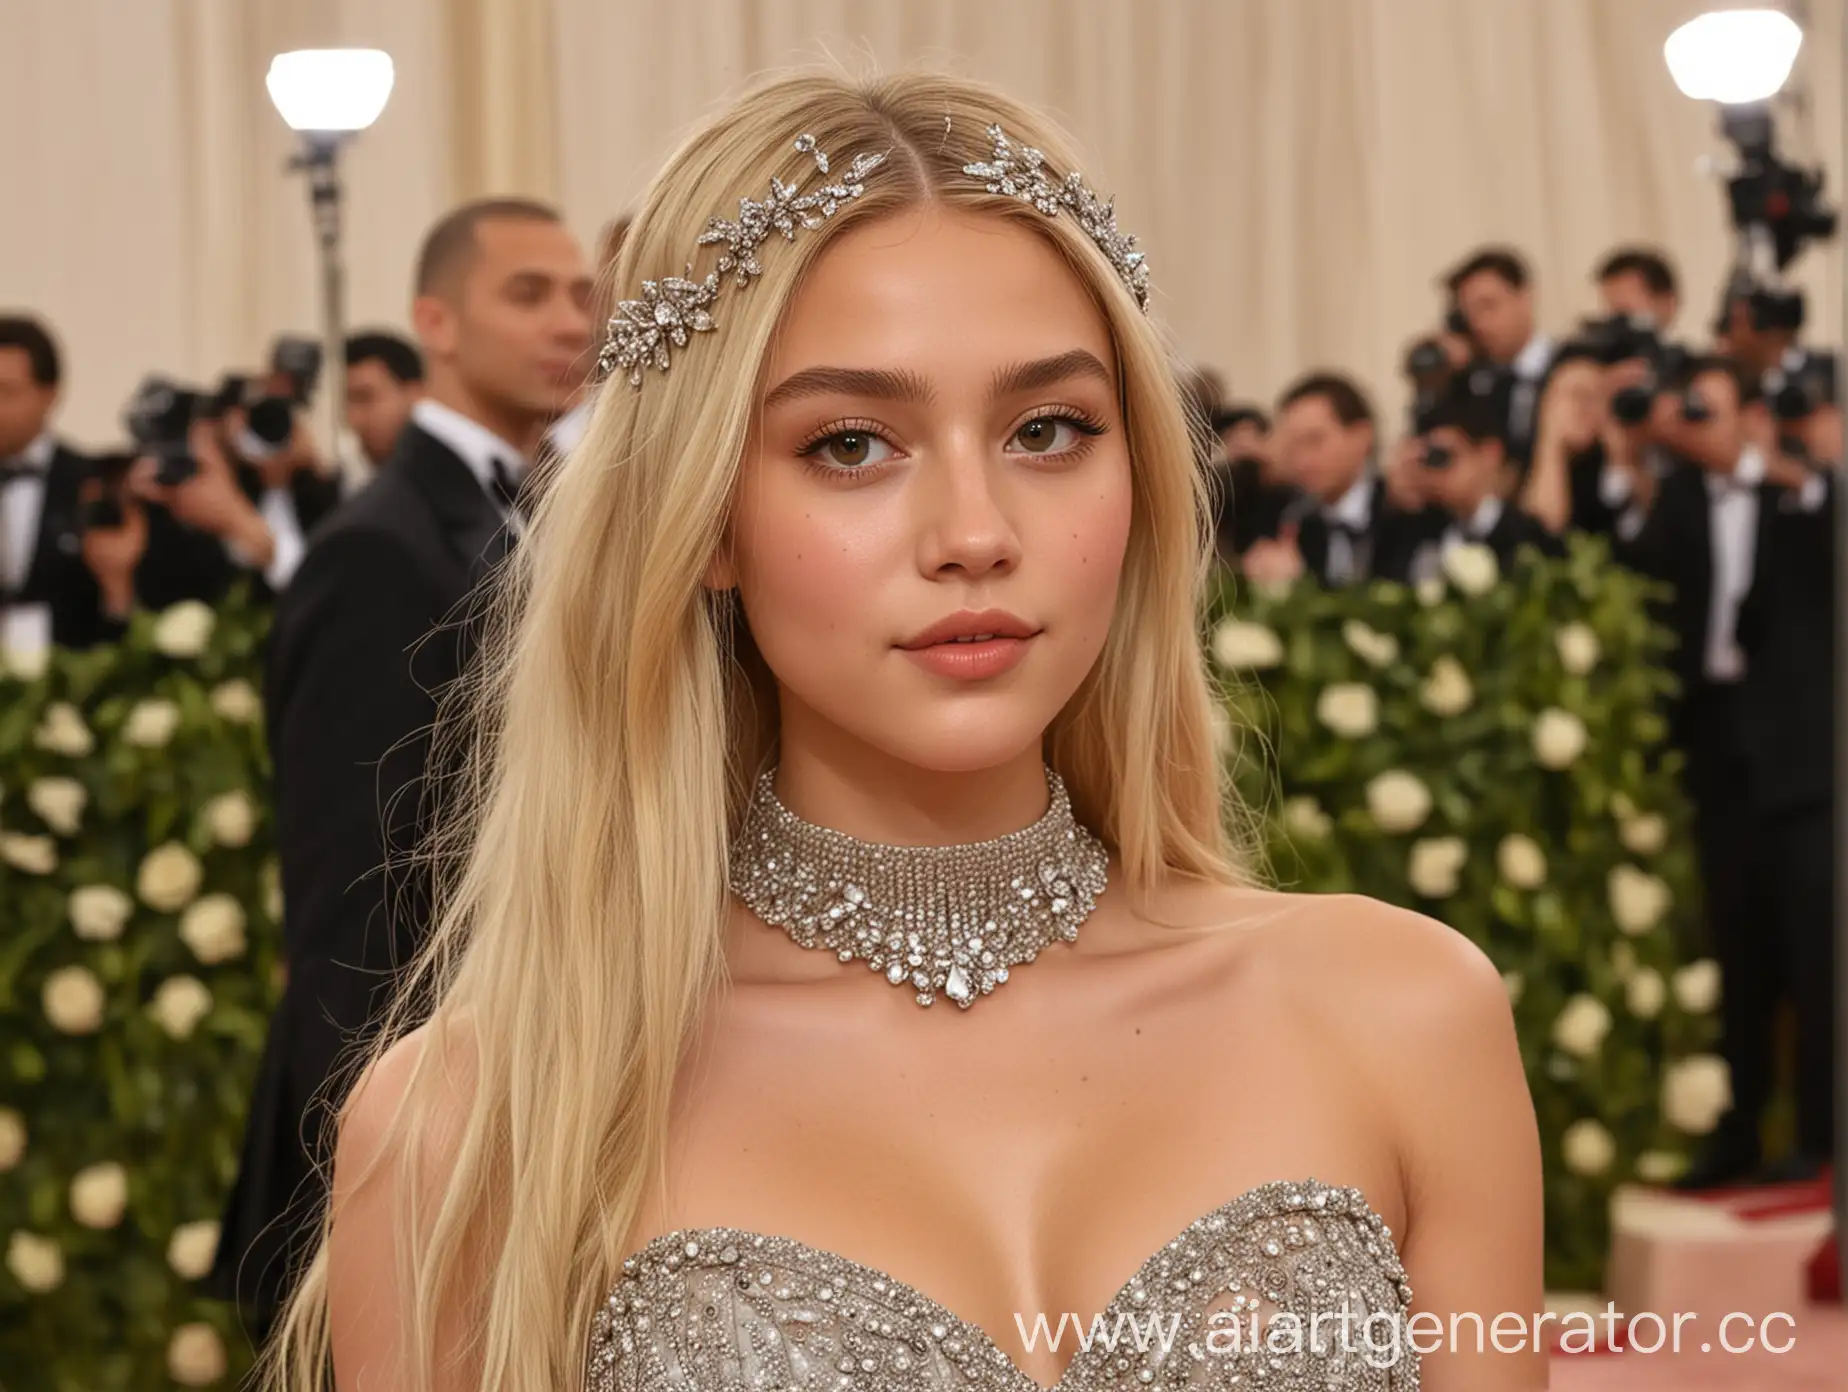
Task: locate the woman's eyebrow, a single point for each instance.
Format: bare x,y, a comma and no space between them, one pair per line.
902,384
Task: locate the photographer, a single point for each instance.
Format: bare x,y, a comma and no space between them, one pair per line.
1254,491
1639,281
1344,529
1492,299
384,379
1786,629
1460,461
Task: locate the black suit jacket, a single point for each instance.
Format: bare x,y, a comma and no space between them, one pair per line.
57,575
366,636
1516,529
1389,546
1787,629
1676,545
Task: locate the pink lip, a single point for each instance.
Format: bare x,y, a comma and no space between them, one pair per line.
970,661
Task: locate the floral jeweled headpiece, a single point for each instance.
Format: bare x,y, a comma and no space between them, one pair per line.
642,332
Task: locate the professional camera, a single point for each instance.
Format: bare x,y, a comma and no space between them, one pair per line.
1803,384
299,360
159,418
106,511
1622,338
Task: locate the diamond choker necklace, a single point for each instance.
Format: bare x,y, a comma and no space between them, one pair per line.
938,918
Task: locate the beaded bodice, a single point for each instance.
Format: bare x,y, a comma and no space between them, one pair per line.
1270,1292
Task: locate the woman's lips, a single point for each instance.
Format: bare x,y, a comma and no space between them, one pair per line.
970,661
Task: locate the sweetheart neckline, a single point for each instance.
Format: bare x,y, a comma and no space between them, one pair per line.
1269,1198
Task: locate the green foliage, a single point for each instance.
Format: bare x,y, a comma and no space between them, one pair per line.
173,724
1571,636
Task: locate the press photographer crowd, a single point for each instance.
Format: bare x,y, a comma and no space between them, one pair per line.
1713,467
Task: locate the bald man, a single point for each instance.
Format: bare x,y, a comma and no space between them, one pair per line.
502,312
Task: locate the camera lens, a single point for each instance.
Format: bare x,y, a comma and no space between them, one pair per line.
1631,405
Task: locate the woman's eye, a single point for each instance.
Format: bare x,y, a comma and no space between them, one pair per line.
851,449
1048,435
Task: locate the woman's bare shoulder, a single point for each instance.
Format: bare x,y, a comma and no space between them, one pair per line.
1365,964
437,1057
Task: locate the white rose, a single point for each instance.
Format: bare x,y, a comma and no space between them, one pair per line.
1559,738
28,664
195,1355
12,1138
237,701
1520,861
1581,1026
1398,801
1304,817
62,731
1369,644
1638,899
1645,992
35,855
151,723
180,1004
1472,568
183,629
1643,835
1623,960
1515,983
1237,644
231,818
99,912
1696,1093
193,1248
1433,865
73,1000
37,1263
213,927
272,890
59,802
169,877
1659,1166
1578,648
1587,1147
99,1195
1697,986
1350,709
1447,691
1430,591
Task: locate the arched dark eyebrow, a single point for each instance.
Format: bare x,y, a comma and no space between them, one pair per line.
904,385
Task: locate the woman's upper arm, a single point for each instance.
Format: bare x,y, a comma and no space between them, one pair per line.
369,1303
1470,1153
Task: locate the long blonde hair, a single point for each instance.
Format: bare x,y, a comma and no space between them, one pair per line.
593,762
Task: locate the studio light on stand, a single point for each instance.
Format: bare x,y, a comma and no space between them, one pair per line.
328,95
1742,59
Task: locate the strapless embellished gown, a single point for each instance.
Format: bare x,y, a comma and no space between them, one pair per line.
725,1310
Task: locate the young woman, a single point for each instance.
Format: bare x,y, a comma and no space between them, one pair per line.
843,963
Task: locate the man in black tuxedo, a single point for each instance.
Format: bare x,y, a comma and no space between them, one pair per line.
1461,462
1253,493
1704,528
1786,705
68,578
352,685
1492,296
1346,528
1571,484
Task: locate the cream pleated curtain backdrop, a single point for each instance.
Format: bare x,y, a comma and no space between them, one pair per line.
1299,170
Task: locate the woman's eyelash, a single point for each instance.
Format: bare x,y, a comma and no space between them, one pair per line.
834,430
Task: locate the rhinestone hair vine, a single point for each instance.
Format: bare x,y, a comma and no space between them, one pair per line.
642,332
1020,172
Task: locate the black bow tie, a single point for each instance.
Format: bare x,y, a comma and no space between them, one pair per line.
504,484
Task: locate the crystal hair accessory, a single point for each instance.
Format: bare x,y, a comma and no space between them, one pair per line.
642,332
1020,172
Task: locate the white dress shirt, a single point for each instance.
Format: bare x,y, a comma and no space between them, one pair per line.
478,447
277,507
1475,529
569,428
1529,368
24,628
1353,509
1732,500
22,503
